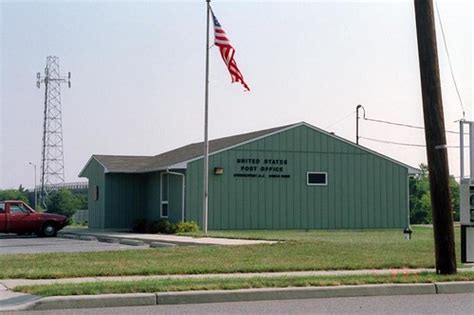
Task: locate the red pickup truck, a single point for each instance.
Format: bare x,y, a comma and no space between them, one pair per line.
17,217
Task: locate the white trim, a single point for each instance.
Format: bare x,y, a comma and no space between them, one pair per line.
245,142
316,184
411,170
142,171
183,164
178,166
88,161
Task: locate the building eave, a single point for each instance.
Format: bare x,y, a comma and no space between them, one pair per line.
87,164
411,170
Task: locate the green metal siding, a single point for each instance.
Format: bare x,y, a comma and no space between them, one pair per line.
126,199
153,196
364,190
94,172
176,197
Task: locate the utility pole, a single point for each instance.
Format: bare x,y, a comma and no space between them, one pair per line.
435,137
52,157
357,121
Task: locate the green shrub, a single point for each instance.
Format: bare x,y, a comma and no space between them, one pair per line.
161,226
166,227
140,226
184,227
153,227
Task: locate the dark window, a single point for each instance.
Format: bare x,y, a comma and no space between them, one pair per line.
2,207
165,189
164,210
317,178
95,193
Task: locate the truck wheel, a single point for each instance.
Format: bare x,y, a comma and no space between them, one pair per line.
49,229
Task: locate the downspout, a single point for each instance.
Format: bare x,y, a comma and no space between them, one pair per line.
182,193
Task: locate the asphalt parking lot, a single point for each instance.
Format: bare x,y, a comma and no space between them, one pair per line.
15,244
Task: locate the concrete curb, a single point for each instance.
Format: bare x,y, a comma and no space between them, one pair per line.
455,287
86,301
218,296
131,242
68,236
160,244
108,240
193,297
87,238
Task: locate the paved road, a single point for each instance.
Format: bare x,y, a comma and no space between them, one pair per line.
13,244
415,304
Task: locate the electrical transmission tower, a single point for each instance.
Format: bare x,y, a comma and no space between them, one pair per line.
52,157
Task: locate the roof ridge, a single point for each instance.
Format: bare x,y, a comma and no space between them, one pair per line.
215,145
192,151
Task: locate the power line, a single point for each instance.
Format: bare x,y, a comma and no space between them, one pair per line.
340,120
404,144
393,142
393,123
404,125
449,60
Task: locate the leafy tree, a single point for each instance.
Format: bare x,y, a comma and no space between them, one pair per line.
14,194
81,201
420,197
454,187
62,202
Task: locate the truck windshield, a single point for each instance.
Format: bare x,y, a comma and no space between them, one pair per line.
2,207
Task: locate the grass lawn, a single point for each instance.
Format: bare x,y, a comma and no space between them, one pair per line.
301,250
168,285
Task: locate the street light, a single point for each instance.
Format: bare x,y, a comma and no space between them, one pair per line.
36,194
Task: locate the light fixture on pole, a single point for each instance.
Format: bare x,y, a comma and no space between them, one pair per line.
36,193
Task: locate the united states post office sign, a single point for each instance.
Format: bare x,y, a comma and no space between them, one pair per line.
260,168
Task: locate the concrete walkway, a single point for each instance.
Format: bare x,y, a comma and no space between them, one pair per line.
10,301
10,284
152,239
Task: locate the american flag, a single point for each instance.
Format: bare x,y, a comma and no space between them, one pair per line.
227,52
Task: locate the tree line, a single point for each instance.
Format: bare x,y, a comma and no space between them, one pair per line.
420,197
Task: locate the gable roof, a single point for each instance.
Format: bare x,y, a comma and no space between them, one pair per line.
178,158
142,164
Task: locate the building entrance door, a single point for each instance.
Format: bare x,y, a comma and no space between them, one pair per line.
172,196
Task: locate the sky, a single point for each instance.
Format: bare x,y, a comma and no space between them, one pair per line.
138,74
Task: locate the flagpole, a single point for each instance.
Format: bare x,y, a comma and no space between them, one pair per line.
206,139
